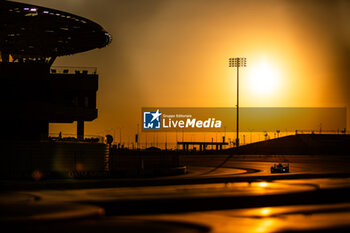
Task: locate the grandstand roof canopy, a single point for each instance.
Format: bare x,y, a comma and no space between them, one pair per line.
29,31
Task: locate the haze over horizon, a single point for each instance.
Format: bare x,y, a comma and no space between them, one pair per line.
175,54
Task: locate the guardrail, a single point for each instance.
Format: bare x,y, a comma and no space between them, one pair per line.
73,70
73,137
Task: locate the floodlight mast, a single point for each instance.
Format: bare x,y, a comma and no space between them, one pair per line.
237,62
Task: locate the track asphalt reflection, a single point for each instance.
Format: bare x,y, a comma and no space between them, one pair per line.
239,196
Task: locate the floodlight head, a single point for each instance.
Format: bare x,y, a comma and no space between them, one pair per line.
238,62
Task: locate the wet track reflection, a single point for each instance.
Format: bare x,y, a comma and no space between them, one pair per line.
240,195
228,189
306,218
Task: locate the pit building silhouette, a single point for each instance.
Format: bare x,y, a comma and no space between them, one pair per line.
34,94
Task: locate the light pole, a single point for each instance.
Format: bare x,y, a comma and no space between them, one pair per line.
237,62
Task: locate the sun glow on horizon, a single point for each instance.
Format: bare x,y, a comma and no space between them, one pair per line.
264,79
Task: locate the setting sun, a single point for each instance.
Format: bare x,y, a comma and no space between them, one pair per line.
264,78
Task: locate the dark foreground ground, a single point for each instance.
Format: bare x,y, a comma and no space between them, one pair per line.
220,193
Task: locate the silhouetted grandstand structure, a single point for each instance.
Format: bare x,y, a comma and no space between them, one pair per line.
34,93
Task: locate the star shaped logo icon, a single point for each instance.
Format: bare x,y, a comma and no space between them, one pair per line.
156,115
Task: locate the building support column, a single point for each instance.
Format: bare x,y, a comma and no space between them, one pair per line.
80,130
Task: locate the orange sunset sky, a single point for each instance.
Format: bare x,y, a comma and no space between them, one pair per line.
174,53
